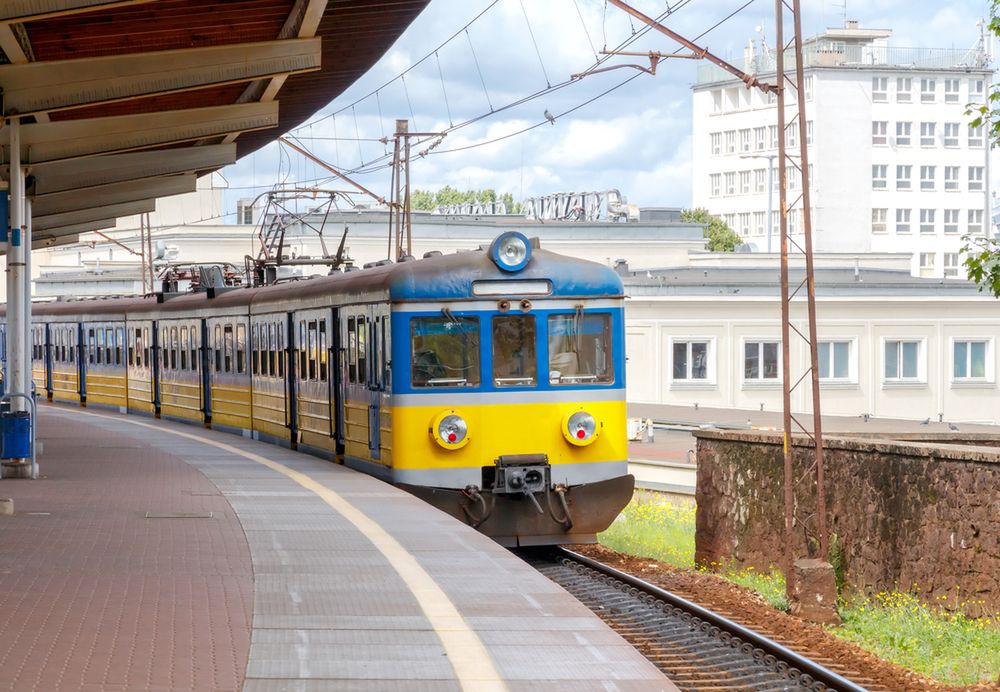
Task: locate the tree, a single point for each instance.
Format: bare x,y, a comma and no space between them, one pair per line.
448,196
721,238
982,255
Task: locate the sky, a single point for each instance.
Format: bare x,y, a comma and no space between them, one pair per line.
620,129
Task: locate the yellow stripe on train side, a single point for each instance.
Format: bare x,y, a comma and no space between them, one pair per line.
496,429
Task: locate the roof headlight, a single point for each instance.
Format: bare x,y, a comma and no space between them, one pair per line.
511,251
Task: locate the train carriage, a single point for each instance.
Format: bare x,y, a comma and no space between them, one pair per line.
490,383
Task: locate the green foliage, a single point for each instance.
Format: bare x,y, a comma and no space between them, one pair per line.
427,201
768,585
982,261
654,528
948,647
721,238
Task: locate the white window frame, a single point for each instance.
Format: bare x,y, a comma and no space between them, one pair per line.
976,176
951,220
904,90
904,182
729,187
880,130
952,175
903,219
745,178
989,378
951,265
928,90
928,221
920,379
880,171
928,134
951,95
716,143
688,382
715,182
928,174
950,138
880,89
760,138
852,361
760,382
975,136
760,180
880,216
904,132
974,220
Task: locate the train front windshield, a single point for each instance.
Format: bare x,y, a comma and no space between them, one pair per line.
445,350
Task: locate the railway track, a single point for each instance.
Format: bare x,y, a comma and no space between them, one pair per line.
694,647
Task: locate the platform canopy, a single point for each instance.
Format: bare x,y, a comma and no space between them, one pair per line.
124,101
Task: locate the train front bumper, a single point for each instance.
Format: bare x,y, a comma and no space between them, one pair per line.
574,514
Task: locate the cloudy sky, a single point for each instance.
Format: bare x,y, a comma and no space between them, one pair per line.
635,137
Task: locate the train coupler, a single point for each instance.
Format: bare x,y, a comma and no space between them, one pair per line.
523,474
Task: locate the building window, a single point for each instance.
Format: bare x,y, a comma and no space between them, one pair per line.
760,138
951,134
716,143
745,182
760,180
951,174
927,134
902,221
758,222
902,360
903,134
927,261
975,136
878,177
976,88
835,360
716,183
951,91
904,85
731,141
745,223
950,222
878,220
927,89
975,226
731,183
760,361
879,132
792,135
792,177
903,174
772,136
691,361
809,131
927,177
745,140
927,220
976,178
951,265
880,89
971,360
808,87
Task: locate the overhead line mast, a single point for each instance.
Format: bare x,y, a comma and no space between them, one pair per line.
788,385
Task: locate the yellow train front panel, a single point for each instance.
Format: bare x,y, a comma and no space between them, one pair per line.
496,430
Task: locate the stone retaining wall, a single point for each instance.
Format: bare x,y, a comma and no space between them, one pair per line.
916,515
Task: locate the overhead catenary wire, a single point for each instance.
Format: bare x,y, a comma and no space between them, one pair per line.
479,70
444,90
535,44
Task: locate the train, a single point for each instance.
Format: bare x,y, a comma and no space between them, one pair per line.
489,382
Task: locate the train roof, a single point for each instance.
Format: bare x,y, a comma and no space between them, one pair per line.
452,277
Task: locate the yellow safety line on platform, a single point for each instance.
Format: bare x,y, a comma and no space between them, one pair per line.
465,650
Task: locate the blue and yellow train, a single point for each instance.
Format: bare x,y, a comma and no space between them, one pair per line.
490,383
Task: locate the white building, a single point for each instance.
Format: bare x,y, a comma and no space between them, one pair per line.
895,165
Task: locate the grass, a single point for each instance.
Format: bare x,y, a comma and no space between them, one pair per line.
948,647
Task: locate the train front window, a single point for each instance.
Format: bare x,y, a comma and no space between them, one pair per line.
514,361
444,351
580,349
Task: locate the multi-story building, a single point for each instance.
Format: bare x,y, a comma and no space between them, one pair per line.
895,165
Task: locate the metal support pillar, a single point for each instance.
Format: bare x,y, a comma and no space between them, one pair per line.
17,363
28,336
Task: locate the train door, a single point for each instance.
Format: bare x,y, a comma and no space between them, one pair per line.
287,354
47,357
375,318
337,365
312,381
82,347
154,356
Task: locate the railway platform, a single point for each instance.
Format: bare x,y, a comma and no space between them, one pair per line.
156,556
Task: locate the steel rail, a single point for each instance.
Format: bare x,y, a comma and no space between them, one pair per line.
804,665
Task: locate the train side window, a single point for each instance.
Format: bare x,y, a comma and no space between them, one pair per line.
184,348
322,351
255,349
100,347
352,349
194,347
227,332
362,350
91,348
133,346
218,348
241,348
173,348
146,362
444,352
514,361
313,345
580,349
279,346
164,347
303,350
271,367
73,337
119,344
109,345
